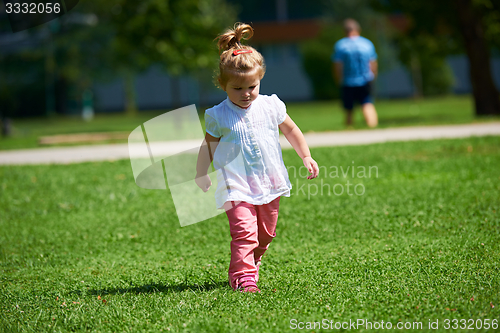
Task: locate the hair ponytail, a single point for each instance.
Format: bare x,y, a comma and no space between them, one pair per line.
232,37
232,60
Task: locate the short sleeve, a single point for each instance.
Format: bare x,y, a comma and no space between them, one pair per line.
211,125
280,108
337,54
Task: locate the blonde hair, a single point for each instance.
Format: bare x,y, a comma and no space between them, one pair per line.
234,62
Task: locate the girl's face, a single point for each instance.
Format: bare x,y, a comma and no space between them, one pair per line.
243,90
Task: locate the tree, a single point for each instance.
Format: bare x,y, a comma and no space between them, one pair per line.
316,55
176,34
470,25
425,56
470,22
98,40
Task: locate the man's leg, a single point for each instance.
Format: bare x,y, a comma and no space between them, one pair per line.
348,117
367,106
347,94
370,114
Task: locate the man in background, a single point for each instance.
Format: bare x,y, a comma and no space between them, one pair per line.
355,67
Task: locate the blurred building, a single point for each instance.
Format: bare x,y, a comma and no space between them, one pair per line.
280,27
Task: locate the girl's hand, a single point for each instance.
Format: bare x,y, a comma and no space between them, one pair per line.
203,182
312,166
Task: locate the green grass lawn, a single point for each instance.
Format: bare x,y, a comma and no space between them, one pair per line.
84,249
328,116
310,116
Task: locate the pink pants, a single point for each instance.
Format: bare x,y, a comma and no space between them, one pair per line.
252,228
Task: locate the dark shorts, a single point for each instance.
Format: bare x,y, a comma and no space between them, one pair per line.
361,94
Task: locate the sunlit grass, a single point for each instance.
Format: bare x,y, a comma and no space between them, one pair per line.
84,249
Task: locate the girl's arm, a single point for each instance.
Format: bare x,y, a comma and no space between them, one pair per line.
294,135
205,157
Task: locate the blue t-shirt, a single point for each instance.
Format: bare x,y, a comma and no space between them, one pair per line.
355,53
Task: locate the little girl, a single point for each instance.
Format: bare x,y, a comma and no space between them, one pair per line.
249,191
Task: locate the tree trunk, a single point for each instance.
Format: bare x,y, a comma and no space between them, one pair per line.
486,96
416,74
6,126
61,95
175,89
50,68
130,101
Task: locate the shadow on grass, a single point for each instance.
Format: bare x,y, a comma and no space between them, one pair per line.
161,288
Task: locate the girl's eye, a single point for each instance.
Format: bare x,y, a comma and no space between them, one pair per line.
253,87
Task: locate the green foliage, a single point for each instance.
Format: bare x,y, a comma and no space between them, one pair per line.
20,85
84,249
437,76
360,10
110,39
425,56
177,34
316,60
433,33
491,19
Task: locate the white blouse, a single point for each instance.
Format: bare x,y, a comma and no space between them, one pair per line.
248,158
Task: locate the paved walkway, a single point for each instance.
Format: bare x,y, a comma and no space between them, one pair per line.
76,154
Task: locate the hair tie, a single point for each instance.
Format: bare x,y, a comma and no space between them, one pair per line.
240,51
